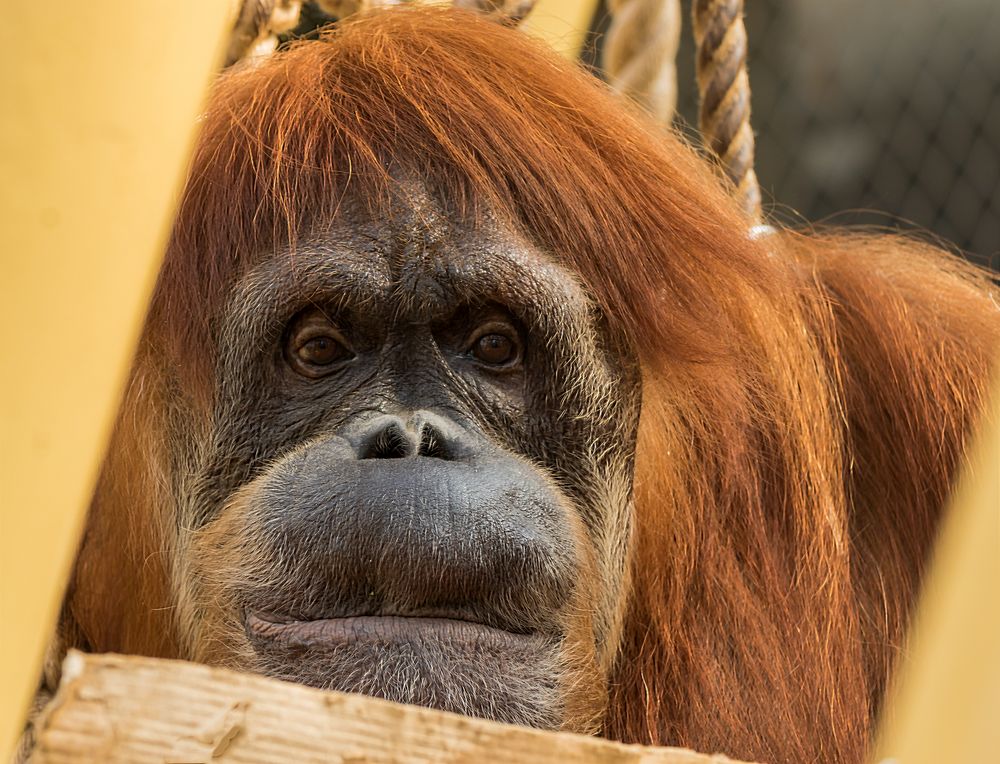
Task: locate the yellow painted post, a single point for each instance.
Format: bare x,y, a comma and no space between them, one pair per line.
100,101
562,23
945,706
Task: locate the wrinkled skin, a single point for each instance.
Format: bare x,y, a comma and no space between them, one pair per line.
418,480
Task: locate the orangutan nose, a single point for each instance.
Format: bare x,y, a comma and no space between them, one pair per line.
422,434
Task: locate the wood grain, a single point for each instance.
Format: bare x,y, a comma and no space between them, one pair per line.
113,708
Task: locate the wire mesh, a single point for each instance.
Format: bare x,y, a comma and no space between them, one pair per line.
879,114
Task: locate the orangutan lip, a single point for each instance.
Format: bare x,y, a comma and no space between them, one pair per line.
331,632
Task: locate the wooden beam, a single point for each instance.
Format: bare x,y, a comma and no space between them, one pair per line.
113,708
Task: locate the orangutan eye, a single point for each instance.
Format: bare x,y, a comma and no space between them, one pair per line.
321,351
496,344
315,347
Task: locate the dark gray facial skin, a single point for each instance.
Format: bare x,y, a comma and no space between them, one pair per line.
418,484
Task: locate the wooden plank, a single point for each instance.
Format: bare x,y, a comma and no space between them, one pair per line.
113,708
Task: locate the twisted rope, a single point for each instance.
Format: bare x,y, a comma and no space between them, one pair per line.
640,53
285,15
724,88
259,22
255,30
249,27
509,12
341,9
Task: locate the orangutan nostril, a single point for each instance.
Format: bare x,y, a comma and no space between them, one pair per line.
390,442
431,444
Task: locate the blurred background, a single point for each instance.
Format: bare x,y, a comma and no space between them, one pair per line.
879,113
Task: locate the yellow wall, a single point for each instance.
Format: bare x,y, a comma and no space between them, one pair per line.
99,106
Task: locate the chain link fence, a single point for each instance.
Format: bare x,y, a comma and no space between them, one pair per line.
882,114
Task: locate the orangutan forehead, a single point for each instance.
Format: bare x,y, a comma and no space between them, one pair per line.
418,263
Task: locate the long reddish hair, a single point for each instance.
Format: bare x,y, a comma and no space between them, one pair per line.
805,396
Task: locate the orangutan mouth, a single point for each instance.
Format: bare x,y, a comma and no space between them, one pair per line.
388,630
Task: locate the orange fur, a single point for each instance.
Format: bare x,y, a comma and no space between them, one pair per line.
806,397
787,532
119,598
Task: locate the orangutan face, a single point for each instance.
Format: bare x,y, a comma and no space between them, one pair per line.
418,480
